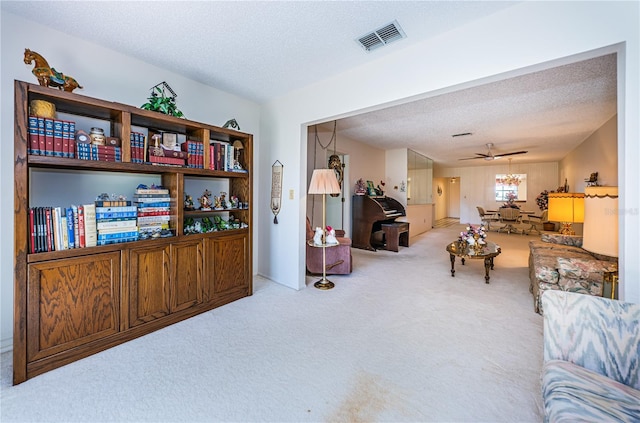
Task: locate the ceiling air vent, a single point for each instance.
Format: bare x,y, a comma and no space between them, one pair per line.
381,37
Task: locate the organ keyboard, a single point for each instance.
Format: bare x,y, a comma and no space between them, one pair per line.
368,214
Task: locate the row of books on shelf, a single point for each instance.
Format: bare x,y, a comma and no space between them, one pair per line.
56,138
51,137
223,157
138,145
100,223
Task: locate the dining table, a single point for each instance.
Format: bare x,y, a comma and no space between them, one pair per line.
510,226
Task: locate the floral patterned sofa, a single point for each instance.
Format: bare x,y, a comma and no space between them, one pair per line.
557,262
591,370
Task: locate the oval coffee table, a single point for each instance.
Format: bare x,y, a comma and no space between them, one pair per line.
488,252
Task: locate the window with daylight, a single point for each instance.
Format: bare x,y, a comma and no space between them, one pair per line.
513,185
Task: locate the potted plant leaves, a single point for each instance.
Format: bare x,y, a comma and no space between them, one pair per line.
159,101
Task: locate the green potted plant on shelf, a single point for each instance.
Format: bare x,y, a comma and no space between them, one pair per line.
158,101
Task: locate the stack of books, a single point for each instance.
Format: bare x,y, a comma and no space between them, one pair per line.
153,210
116,222
106,153
164,156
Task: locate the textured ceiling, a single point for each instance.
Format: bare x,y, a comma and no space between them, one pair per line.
547,113
264,49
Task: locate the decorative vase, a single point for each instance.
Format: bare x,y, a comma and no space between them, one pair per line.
477,247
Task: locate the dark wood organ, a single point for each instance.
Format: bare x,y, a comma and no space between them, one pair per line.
368,215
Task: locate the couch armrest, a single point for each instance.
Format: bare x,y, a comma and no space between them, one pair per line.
574,240
599,334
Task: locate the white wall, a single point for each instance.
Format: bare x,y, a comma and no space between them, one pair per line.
105,74
598,153
526,37
477,186
395,174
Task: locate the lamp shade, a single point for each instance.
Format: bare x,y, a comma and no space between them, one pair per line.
566,207
600,233
324,181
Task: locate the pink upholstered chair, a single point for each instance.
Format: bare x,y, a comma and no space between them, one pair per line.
338,258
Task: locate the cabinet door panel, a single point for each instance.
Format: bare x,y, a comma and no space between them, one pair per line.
226,266
148,284
186,281
72,302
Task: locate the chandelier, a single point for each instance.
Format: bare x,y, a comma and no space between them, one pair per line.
509,178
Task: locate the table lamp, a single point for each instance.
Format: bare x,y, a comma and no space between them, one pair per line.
601,228
567,208
324,181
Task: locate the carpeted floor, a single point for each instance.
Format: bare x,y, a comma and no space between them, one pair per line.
398,340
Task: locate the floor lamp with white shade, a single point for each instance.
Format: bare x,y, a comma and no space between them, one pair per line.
324,181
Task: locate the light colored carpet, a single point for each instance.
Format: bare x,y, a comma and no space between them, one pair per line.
398,340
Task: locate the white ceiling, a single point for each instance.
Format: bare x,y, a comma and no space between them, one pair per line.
264,49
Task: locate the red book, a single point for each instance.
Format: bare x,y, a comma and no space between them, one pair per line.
65,139
48,137
81,228
58,149
34,147
41,137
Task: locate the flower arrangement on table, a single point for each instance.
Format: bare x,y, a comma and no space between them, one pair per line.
473,234
511,198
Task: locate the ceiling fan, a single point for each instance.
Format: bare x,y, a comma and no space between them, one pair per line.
491,156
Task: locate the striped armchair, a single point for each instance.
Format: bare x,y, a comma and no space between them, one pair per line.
591,370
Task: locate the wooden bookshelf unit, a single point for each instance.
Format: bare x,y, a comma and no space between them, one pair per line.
71,303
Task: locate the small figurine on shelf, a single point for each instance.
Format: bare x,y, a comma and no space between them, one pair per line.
188,202
205,200
234,202
223,201
317,238
217,205
331,236
207,225
220,223
48,76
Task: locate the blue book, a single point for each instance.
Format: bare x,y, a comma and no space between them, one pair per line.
70,228
113,215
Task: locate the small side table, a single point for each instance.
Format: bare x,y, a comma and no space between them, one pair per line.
396,233
323,283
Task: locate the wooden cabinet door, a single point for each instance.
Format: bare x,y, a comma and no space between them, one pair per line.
148,284
72,302
186,279
226,268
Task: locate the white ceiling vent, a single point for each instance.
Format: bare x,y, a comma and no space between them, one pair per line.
381,37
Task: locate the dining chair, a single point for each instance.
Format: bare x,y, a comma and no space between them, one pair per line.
510,217
535,221
487,218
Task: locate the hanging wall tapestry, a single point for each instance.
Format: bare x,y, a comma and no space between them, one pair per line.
276,189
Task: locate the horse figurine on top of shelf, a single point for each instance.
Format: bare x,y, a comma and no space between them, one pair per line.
48,76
